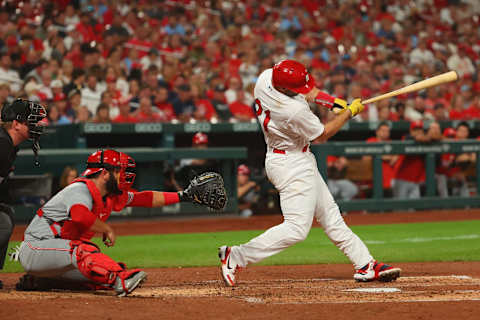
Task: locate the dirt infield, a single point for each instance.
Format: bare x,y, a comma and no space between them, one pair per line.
425,290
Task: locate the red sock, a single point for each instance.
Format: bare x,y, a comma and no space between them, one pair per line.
171,198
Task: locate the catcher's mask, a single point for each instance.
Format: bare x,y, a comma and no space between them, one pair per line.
109,160
30,113
128,173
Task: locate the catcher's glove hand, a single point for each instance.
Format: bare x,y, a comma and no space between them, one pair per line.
207,189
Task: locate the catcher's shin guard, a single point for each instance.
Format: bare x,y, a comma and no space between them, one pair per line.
95,265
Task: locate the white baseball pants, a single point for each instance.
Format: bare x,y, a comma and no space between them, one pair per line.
303,195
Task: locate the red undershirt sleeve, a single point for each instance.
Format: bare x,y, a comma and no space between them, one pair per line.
142,199
81,215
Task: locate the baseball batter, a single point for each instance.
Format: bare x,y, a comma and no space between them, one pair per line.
282,94
57,242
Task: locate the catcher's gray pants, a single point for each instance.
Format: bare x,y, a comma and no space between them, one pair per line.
51,258
304,195
6,229
405,189
342,189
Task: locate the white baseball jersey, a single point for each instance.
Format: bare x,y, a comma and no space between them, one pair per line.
287,122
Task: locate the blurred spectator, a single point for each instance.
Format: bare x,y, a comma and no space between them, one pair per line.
457,111
240,110
152,58
235,86
7,74
183,103
146,113
421,54
460,62
380,48
204,110
82,115
177,178
76,82
68,175
445,165
340,187
163,106
415,109
382,134
219,103
91,94
4,94
102,115
247,191
124,115
410,169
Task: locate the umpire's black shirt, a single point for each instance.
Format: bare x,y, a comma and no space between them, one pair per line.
8,153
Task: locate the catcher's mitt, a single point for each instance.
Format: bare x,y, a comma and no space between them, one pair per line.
207,189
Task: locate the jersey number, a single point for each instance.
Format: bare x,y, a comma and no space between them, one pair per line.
266,120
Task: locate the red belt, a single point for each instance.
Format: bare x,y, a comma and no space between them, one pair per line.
52,224
275,150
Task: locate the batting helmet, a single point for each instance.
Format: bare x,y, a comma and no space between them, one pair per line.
292,75
102,159
200,138
128,173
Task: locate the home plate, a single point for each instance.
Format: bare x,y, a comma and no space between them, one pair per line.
374,290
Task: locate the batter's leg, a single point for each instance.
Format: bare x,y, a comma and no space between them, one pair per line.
328,215
296,185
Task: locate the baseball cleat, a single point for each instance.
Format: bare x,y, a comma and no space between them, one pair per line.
125,286
377,271
228,266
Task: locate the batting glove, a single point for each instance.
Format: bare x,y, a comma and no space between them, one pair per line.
356,107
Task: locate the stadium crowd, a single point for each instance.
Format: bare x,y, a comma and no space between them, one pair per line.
179,61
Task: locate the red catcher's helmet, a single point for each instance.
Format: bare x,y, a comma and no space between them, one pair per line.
102,159
200,138
128,173
292,75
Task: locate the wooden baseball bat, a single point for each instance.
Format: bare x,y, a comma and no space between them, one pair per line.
427,83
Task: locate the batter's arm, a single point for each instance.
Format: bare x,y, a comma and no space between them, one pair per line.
332,127
323,99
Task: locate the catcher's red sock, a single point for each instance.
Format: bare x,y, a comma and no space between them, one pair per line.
171,198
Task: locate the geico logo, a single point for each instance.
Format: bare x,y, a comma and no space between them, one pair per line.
245,126
148,127
193,127
97,127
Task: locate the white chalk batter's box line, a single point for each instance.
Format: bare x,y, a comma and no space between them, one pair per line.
402,280
418,239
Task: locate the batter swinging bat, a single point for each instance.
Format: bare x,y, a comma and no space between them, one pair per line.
427,83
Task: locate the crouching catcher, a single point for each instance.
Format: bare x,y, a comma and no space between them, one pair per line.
57,248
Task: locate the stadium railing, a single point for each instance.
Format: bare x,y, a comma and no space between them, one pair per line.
376,150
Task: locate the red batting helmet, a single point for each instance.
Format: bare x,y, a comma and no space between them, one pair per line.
292,75
200,138
102,159
128,174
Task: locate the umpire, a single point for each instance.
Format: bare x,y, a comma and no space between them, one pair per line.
19,123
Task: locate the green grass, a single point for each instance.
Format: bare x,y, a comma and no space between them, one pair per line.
416,242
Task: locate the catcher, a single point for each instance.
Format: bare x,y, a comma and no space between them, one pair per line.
57,247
